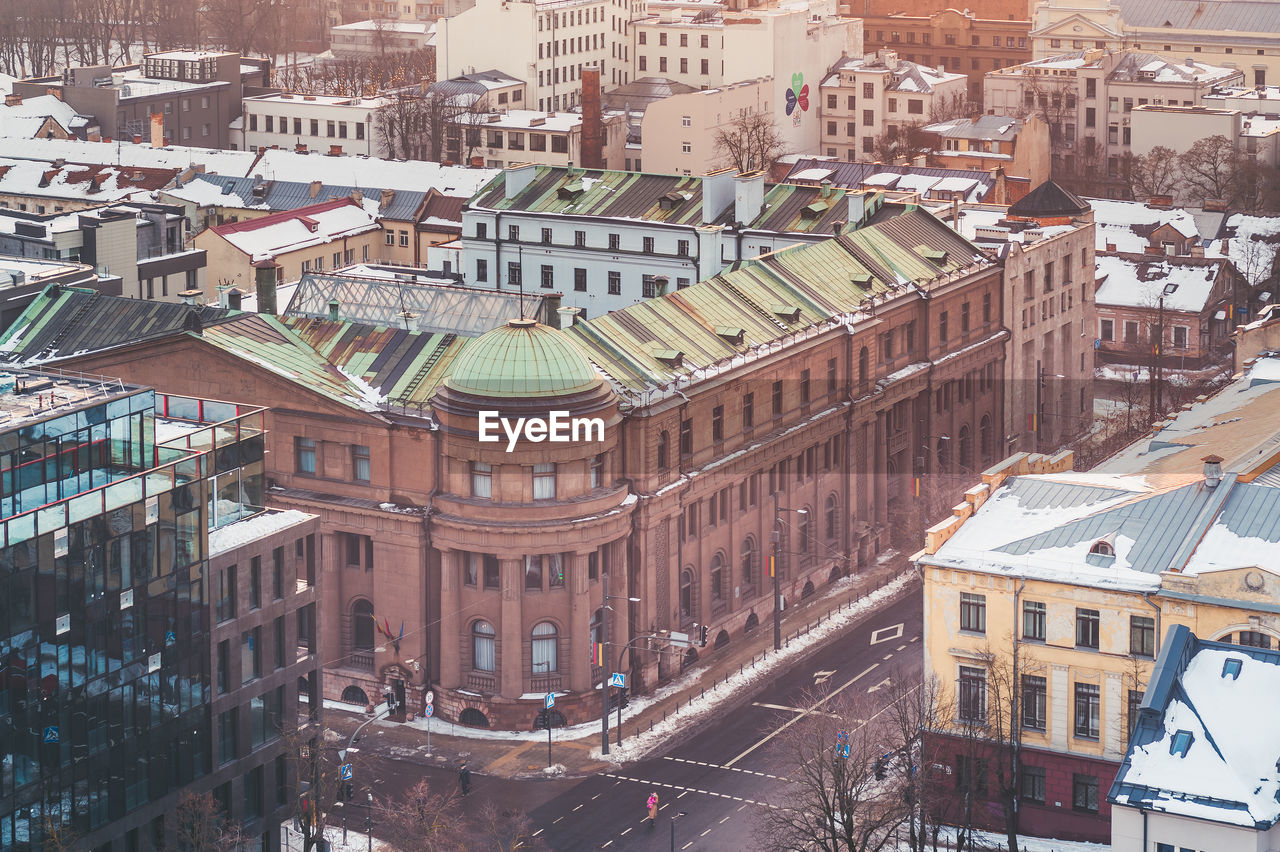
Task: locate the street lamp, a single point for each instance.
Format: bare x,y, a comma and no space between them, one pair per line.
1157,356
775,539
368,820
605,597
674,817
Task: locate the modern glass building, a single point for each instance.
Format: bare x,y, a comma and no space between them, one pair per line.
105,632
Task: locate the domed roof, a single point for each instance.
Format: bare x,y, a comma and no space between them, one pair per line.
521,359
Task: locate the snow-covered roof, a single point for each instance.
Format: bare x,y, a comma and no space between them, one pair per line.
384,25
41,107
1126,224
905,76
991,127
1206,742
281,233
78,181
523,119
253,528
1137,281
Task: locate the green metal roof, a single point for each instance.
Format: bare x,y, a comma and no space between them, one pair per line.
522,359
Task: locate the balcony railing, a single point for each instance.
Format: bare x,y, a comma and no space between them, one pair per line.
363,662
482,682
544,683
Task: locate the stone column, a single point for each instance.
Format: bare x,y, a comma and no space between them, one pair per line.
450,608
1059,707
577,656
511,659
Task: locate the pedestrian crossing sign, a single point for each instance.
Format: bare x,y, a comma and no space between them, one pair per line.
618,679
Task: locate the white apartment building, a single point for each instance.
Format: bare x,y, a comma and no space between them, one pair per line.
794,43
610,239
518,136
1088,97
380,35
320,123
546,43
1179,127
866,96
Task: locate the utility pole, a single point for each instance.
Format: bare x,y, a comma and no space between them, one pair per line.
775,540
604,678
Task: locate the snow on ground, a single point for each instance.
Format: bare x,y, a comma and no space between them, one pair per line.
356,841
636,746
987,841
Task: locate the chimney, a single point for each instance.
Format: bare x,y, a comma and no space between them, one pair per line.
235,299
333,309
137,138
189,297
551,310
566,317
315,187
13,100
592,120
386,198
748,196
264,279
157,130
717,194
1212,470
516,178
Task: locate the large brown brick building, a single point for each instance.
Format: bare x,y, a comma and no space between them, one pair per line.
818,377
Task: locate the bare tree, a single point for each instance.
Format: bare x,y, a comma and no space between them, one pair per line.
842,798
424,819
1208,168
750,142
58,835
316,782
202,826
429,126
1153,173
502,830
915,712
901,145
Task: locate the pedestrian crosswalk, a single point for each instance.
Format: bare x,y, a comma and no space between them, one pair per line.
726,768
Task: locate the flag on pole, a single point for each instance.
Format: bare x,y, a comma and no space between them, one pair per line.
597,653
772,566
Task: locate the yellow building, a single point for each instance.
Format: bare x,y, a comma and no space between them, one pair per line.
1051,589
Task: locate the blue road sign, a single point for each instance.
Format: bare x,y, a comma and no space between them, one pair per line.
431,710
51,734
170,637
549,701
618,679
346,772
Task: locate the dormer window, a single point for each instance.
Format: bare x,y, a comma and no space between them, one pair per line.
1231,668
731,334
1102,547
789,313
1182,741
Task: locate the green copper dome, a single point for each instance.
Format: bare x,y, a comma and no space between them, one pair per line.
521,359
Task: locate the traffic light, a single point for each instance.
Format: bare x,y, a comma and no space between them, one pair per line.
702,635
881,765
623,697
346,791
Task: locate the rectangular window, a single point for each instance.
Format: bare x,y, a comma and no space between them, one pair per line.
1088,706
973,613
482,269
514,278
255,583
1087,628
548,276
942,326
1031,782
964,318
228,730
306,456
1130,331
544,481
615,242
1107,329
482,480
1142,636
250,655
1033,620
1034,702
580,280
717,423
686,437
615,283
224,663
1179,337
492,571
277,573
360,463
748,410
1084,793
777,399
546,236
973,694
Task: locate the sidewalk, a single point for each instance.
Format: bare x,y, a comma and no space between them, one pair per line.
670,713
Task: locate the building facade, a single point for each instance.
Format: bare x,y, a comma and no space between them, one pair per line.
493,554
699,116
321,123
1049,594
108,681
960,42
878,97
516,136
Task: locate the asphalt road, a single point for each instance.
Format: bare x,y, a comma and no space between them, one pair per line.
715,783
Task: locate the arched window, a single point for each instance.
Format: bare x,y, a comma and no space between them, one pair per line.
362,626
966,448
864,369
832,517
686,593
664,450
747,562
806,531
482,651
1102,547
984,439
544,648
717,577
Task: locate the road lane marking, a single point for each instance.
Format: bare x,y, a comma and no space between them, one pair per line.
799,716
556,820
607,844
596,796
536,833
578,808
900,648
886,634
887,657
725,819
915,638
625,833
881,685
705,833
686,846
686,792
728,768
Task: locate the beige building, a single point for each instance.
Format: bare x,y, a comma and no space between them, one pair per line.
1241,35
516,136
379,36
315,238
1019,146
678,134
1087,98
881,94
1046,244
1180,127
545,43
794,44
